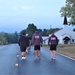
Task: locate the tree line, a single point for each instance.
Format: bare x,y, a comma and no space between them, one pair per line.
7,38
32,28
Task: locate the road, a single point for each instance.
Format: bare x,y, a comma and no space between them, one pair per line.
44,66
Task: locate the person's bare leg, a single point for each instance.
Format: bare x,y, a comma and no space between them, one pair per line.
35,53
24,54
27,49
51,52
54,54
38,52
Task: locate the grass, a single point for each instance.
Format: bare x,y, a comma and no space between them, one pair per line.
68,50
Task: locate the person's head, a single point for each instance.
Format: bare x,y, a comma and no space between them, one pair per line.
37,31
23,34
53,33
26,34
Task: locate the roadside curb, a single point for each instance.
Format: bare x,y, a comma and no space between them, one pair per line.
66,56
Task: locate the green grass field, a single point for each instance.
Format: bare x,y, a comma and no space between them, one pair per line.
68,50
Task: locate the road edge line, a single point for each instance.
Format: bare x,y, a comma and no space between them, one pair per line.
66,56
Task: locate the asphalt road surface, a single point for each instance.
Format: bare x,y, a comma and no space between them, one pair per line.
44,66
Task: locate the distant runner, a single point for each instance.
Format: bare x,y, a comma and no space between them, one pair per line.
53,42
23,45
28,43
37,42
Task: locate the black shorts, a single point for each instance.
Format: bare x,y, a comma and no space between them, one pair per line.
23,49
37,47
28,45
53,47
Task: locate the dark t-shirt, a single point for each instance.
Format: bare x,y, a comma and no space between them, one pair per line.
23,41
28,40
36,39
53,40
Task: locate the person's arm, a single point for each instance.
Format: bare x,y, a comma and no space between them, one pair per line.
19,42
49,41
57,40
41,41
32,41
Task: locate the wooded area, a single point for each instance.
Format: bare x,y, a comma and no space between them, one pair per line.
6,38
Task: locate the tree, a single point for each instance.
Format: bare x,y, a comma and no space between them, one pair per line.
12,38
31,29
23,31
74,29
69,10
3,39
16,37
40,30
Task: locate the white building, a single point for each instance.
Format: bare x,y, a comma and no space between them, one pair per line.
65,35
45,40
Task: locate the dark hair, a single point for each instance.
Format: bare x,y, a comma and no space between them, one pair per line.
53,33
23,33
37,30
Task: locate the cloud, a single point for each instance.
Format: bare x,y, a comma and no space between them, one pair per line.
25,7
14,8
21,8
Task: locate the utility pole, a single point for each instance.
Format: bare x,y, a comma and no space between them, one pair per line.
50,28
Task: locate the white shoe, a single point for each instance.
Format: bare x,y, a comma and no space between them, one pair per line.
27,51
39,57
36,58
23,58
51,56
54,58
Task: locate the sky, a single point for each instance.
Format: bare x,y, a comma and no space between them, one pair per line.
15,15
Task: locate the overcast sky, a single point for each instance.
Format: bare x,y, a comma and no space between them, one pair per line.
15,15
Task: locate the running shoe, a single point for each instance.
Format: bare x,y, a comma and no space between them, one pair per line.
35,57
23,58
54,58
27,51
39,57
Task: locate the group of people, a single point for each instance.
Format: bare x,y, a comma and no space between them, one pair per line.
37,41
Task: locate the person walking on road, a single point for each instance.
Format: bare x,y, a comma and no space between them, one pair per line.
53,42
37,43
23,45
28,43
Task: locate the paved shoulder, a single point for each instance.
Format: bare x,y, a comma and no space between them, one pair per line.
8,60
45,66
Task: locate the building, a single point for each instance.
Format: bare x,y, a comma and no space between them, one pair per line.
65,35
45,40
